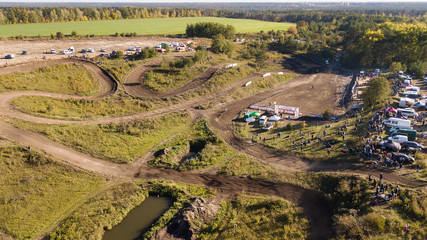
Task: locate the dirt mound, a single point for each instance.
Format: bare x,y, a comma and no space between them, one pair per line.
187,222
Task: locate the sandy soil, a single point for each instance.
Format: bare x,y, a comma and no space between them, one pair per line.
324,93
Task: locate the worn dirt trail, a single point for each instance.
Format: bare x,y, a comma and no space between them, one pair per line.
133,80
316,208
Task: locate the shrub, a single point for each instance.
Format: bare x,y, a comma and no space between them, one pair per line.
326,115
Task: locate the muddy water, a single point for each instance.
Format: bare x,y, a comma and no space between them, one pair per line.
139,219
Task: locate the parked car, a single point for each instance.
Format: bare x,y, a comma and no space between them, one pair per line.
425,79
263,120
10,56
412,144
398,138
83,51
131,49
24,52
407,112
403,158
103,50
66,52
52,51
390,145
268,126
91,50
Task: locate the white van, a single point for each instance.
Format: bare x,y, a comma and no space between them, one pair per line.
408,112
398,138
397,122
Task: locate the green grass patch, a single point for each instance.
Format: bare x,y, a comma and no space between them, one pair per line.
291,131
65,78
119,67
166,78
122,104
240,165
117,105
140,26
195,149
37,191
257,217
116,142
101,212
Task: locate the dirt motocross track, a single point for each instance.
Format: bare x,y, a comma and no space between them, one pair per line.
316,208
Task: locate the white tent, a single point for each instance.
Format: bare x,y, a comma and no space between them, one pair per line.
274,118
250,119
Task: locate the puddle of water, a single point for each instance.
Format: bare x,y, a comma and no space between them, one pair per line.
139,219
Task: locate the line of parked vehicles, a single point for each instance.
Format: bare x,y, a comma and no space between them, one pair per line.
402,136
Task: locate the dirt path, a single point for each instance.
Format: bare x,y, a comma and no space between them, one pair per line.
133,81
222,122
317,209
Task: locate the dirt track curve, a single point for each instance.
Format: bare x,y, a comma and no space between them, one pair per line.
317,209
133,80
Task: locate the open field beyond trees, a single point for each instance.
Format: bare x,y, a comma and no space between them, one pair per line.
140,26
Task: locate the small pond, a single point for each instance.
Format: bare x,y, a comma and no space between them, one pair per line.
139,219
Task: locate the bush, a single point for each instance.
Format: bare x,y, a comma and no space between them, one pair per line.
221,45
209,29
326,115
59,35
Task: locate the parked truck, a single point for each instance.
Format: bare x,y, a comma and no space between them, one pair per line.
410,133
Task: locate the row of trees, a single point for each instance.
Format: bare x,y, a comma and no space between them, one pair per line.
210,29
14,15
67,14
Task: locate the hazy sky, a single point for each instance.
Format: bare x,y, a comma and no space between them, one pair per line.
145,1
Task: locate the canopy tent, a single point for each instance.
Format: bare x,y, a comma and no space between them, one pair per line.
248,114
390,109
255,114
250,119
274,118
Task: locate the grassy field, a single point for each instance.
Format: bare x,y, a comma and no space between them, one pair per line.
100,212
116,142
296,131
165,77
193,149
123,104
66,78
140,26
36,191
257,217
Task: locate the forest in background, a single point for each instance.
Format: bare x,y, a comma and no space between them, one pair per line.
367,37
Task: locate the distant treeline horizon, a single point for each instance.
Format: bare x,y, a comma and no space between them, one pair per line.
14,15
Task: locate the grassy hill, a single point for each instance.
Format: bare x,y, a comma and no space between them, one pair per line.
140,26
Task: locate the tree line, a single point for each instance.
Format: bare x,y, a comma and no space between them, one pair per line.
13,15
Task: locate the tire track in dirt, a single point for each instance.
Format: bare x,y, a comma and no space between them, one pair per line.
316,208
134,87
221,121
319,214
